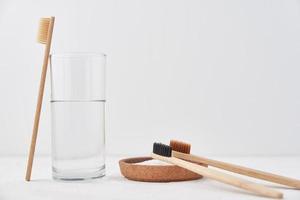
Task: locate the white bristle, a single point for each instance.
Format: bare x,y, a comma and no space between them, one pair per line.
43,30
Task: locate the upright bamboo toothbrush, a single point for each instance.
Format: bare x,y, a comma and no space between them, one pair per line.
164,153
44,37
182,150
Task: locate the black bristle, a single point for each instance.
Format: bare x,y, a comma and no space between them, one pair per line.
162,149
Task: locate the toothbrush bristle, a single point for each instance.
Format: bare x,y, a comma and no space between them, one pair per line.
42,36
180,146
162,149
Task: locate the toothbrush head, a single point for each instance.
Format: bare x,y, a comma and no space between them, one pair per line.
43,32
162,149
180,146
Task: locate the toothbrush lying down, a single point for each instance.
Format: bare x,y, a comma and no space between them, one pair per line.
182,150
164,153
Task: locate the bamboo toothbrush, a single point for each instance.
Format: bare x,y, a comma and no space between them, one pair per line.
182,150
44,37
164,153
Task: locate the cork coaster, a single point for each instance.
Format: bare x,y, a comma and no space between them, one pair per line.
154,173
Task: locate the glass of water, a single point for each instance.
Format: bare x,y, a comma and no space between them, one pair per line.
78,115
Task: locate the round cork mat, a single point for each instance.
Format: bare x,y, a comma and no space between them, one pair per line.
154,173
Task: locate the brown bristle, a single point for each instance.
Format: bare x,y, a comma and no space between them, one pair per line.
42,36
180,146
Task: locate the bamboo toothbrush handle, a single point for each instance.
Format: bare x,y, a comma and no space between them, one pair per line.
241,170
221,177
39,102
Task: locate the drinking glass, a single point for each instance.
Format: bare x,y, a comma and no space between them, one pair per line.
78,115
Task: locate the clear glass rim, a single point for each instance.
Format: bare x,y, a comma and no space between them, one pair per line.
76,54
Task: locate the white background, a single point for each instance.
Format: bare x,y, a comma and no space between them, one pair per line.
223,75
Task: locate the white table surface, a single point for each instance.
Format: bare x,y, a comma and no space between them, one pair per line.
115,186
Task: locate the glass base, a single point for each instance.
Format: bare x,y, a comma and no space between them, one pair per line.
78,175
